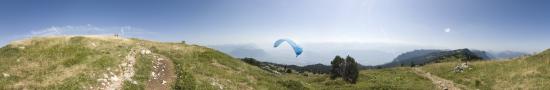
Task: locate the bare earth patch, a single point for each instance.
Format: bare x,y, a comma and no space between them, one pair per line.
442,84
163,74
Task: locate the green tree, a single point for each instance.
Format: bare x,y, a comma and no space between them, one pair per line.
346,68
352,70
335,64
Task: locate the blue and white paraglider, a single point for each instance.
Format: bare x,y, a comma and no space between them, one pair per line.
297,49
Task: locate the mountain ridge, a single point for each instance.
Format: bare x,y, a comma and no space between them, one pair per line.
424,56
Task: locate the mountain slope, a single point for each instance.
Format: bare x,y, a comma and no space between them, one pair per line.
103,62
421,57
527,72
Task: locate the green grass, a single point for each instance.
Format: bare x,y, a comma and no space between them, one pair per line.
143,72
531,72
376,79
293,85
198,67
55,63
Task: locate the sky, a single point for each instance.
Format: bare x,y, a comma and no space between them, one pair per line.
360,28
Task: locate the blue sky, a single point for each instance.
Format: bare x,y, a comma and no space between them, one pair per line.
354,25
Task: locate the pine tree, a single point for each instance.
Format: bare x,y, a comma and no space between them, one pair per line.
335,72
352,70
345,68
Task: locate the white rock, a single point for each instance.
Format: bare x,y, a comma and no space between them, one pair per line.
101,80
21,47
5,74
145,51
114,78
163,82
93,44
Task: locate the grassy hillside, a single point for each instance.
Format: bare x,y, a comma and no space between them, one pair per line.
529,72
106,62
204,68
84,62
59,62
401,78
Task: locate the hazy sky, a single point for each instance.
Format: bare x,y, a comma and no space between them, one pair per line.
520,25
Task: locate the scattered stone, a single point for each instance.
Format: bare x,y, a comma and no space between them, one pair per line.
462,67
22,47
94,45
112,81
113,74
154,75
145,51
163,82
215,83
102,80
114,78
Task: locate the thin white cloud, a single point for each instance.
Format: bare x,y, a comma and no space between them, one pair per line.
127,31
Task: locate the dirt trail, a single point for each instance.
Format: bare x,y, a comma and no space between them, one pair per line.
163,74
441,83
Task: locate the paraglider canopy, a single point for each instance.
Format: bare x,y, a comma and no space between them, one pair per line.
297,49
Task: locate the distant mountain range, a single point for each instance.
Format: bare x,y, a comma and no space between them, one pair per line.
420,57
415,57
277,68
506,54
